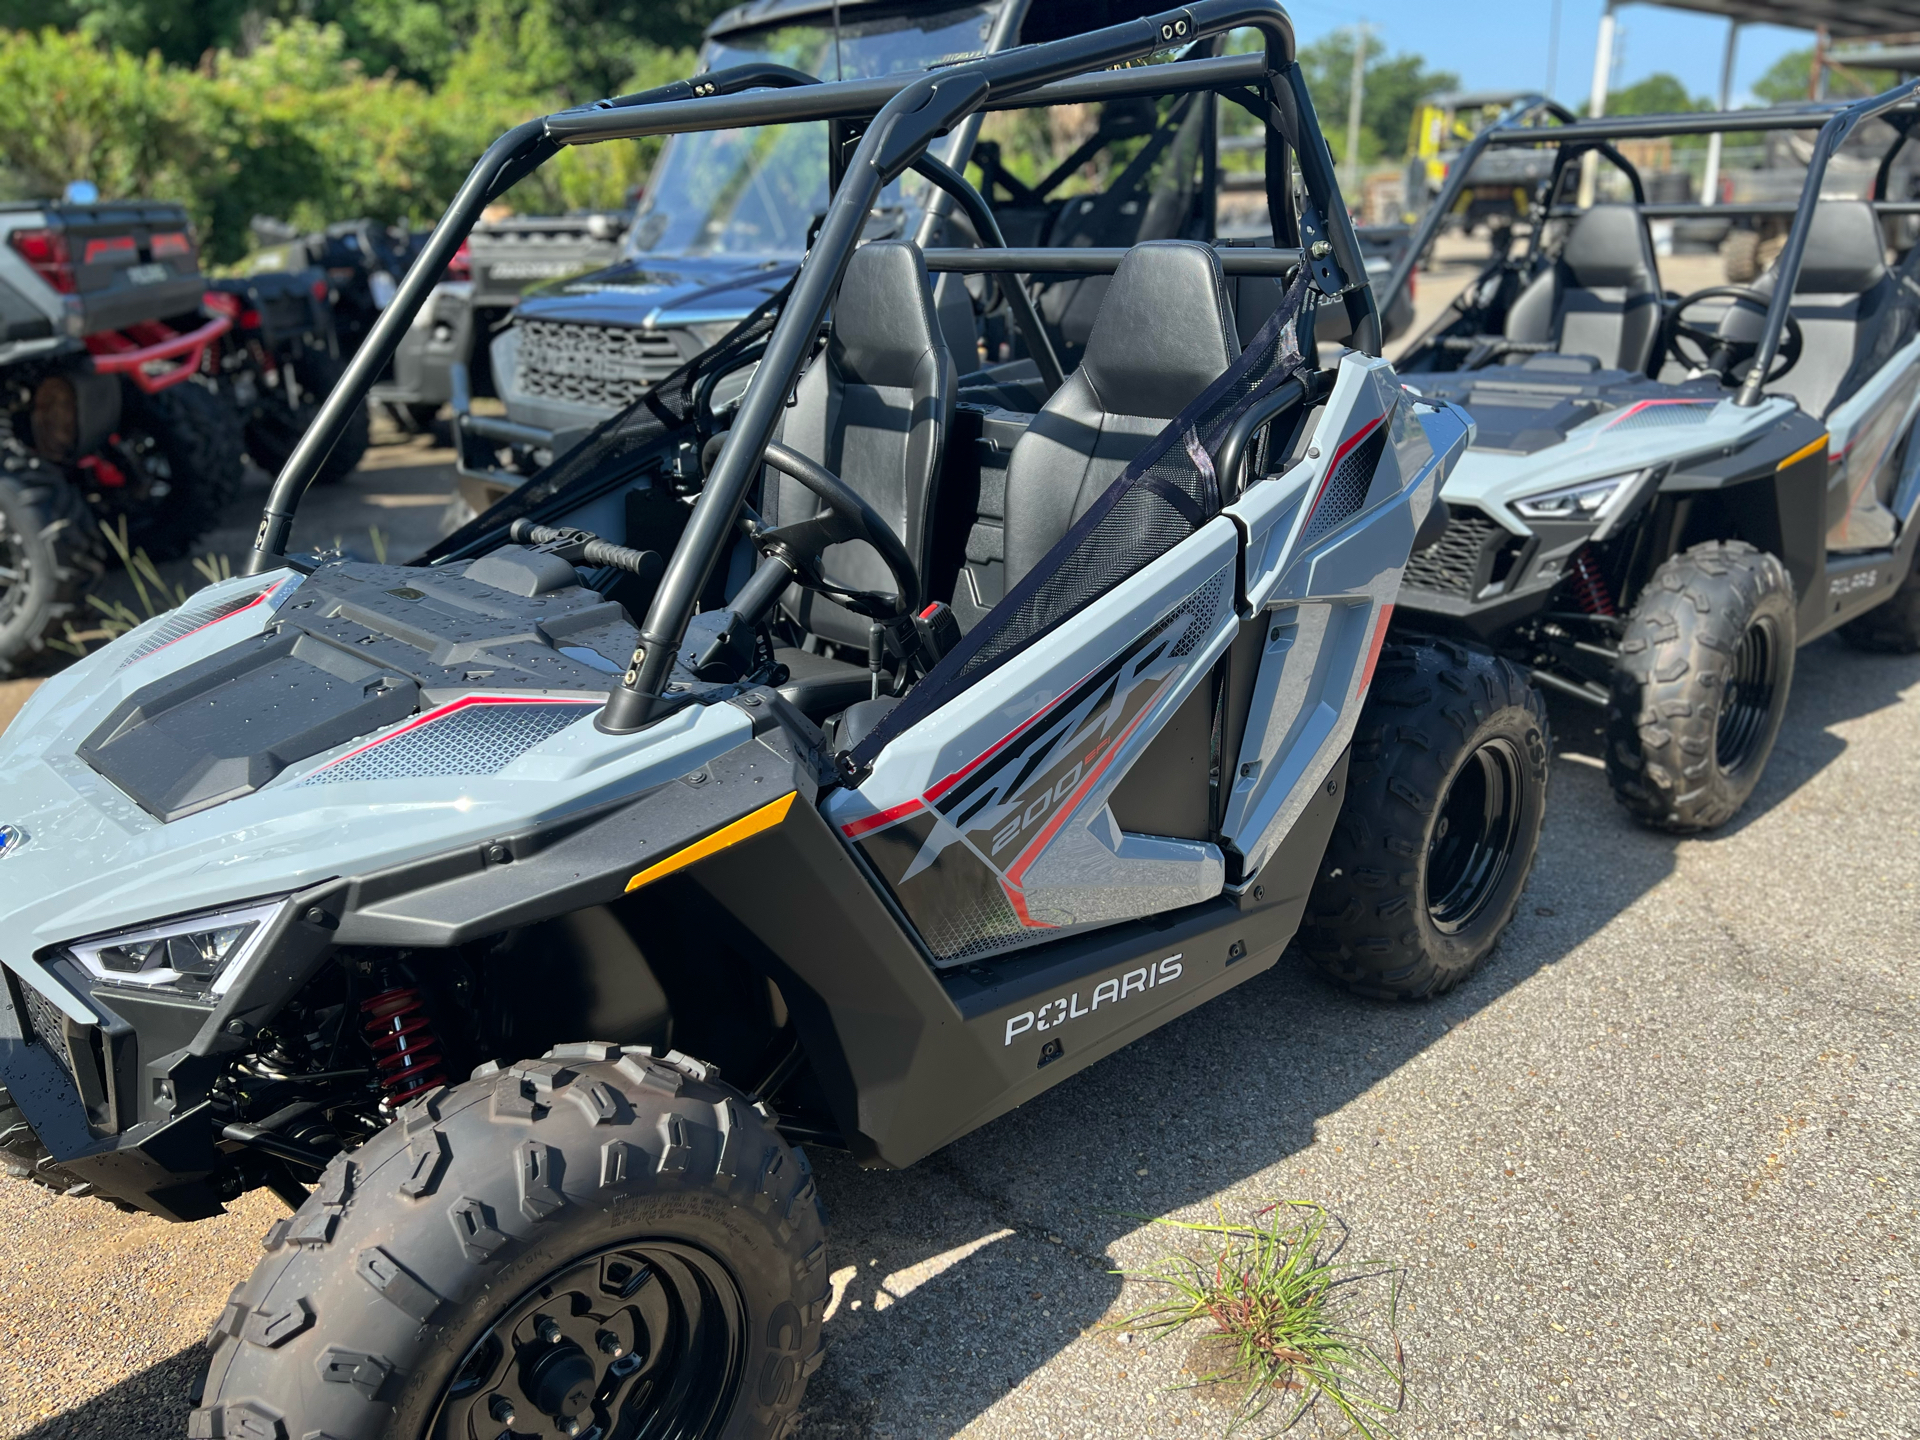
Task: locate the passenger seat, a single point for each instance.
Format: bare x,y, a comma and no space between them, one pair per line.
1601,298
1164,333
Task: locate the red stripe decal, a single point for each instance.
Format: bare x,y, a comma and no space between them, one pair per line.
939,788
1373,650
1345,449
1635,409
854,829
452,705
1039,842
217,620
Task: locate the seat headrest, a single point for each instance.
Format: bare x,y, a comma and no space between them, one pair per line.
1846,249
1608,246
1164,332
883,320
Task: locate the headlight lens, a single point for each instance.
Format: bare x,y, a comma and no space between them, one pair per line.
1586,501
711,332
199,957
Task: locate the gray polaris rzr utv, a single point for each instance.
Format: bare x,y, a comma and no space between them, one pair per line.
1668,494
537,942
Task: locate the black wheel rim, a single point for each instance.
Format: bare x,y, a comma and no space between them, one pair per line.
1746,703
16,571
642,1341
1473,838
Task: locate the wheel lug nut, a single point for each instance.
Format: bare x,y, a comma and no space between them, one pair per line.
501,1408
547,1330
610,1344
570,1427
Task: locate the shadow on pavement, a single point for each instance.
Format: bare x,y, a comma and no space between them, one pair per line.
149,1406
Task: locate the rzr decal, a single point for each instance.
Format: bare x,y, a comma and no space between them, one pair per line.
956,857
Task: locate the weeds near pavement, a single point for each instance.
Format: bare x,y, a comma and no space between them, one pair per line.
155,595
1288,1316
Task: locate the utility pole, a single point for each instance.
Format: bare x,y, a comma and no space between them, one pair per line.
1553,49
1597,99
1710,183
1356,98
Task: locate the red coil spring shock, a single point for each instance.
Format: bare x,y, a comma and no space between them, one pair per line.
406,1055
1590,585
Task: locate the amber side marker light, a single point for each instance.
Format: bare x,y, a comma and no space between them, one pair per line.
747,826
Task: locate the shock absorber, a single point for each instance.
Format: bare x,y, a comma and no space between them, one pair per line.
1590,585
406,1054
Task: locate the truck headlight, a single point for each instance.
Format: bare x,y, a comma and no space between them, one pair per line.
199,956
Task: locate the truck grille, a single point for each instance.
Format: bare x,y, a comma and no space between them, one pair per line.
1473,554
606,366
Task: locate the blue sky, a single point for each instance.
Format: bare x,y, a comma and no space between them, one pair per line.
1502,44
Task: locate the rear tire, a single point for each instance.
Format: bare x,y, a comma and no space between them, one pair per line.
49,553
1446,792
1701,686
275,430
1893,626
180,450
606,1192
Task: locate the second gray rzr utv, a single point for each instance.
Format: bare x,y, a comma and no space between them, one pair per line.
426,885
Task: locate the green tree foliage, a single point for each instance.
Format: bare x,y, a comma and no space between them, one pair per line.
1658,94
1395,86
1790,78
296,125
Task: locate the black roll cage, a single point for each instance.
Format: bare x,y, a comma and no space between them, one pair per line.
1536,120
904,112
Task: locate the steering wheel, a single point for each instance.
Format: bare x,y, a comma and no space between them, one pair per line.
1716,354
846,517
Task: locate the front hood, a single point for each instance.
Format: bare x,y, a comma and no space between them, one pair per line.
1528,444
661,290
279,731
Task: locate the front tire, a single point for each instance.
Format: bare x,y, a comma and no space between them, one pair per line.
602,1237
1701,686
1446,793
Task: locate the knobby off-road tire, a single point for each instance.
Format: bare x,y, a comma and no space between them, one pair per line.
1893,626
189,438
49,554
514,1242
273,431
1701,686
1446,792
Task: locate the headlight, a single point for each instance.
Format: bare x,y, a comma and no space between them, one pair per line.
1586,501
711,333
199,957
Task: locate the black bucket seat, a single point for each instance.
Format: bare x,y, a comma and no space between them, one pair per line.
1600,298
1164,333
1847,302
873,408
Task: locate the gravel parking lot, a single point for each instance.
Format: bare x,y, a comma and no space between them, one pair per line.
1656,1170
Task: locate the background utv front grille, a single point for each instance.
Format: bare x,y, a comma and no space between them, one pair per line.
607,366
1471,555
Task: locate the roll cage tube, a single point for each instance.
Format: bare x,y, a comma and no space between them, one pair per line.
509,160
1025,317
928,105
1832,136
1429,224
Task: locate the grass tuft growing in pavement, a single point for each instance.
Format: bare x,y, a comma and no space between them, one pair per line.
1291,1322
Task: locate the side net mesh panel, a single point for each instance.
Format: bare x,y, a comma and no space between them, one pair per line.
1165,495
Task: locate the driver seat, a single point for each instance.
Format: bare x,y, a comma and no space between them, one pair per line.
1601,297
873,408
